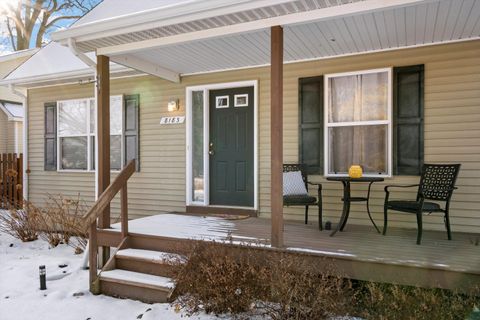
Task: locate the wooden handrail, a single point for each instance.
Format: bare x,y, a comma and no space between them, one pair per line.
90,218
107,196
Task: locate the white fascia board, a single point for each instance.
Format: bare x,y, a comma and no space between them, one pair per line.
18,54
154,18
147,67
58,77
291,19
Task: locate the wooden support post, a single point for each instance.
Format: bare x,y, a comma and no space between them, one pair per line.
103,140
276,135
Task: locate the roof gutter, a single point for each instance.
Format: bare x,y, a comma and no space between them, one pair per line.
80,55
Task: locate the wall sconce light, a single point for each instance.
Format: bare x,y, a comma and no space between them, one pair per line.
173,105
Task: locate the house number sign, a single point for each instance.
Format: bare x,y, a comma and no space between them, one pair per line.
172,120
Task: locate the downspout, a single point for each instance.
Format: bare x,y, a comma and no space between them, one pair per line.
93,65
26,169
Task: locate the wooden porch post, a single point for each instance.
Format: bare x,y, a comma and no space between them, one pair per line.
276,134
103,139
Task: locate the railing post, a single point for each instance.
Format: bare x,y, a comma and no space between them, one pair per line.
92,257
124,210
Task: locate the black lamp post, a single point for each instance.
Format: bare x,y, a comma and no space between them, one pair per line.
43,278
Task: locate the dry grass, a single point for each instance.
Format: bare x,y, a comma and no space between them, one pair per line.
395,302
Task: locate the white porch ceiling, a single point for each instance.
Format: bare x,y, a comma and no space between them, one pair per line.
421,24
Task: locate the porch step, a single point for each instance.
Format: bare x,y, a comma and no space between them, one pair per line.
149,262
135,285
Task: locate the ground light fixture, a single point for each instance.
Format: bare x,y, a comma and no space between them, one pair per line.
43,277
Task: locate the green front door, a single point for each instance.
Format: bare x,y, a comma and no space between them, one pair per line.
231,147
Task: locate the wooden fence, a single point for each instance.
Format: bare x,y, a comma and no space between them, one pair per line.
11,180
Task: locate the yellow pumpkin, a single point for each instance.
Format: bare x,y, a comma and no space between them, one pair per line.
355,171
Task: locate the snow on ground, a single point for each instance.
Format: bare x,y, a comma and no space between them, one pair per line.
66,298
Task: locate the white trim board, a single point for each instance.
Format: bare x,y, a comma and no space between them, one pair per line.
206,139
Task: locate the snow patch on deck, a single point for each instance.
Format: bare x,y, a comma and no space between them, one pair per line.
154,256
182,226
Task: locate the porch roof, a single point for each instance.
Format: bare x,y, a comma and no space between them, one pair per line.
206,36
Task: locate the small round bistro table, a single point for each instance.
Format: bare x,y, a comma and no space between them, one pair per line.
347,199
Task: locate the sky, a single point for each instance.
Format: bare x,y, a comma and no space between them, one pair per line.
5,43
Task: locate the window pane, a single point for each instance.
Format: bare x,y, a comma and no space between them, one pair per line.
92,116
116,152
72,117
363,145
361,97
116,115
197,148
74,153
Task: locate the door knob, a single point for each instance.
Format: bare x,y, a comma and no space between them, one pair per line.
210,149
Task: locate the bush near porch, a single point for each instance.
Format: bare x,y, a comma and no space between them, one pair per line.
218,280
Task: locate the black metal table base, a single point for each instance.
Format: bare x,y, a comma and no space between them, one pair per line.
347,199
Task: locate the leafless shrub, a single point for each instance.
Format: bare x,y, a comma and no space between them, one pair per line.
19,224
217,279
60,221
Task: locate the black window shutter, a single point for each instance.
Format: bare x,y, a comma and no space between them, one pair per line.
131,129
408,144
311,123
50,137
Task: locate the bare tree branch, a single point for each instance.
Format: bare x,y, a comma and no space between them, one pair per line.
10,33
33,18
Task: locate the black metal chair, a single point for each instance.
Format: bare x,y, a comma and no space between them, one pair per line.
436,183
304,200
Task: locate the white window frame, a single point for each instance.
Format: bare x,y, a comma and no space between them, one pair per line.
89,135
220,98
206,139
387,122
239,105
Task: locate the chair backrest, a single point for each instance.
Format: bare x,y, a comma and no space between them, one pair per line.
438,180
288,167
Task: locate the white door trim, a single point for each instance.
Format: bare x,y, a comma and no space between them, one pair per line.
206,138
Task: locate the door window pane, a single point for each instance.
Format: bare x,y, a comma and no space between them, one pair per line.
74,153
197,147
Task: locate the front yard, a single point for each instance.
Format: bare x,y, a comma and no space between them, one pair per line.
67,297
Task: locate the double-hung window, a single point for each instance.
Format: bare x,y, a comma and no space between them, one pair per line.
358,122
76,134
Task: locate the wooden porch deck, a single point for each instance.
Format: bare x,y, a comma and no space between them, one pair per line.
359,252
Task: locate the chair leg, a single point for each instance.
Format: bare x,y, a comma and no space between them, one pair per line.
385,220
320,218
419,225
447,224
306,214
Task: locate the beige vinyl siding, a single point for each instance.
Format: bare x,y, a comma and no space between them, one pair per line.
452,134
